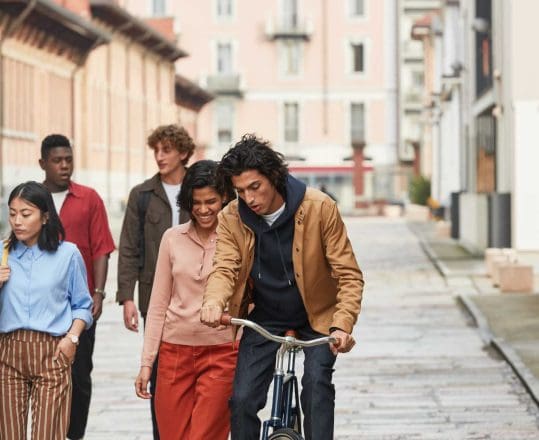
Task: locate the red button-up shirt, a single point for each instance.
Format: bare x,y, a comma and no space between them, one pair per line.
84,218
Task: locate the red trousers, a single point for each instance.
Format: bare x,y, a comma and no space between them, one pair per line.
194,384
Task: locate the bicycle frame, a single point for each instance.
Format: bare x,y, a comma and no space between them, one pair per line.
285,407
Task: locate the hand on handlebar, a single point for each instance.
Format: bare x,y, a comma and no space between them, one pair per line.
345,342
210,315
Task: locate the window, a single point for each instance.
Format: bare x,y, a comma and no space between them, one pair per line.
224,8
357,8
418,79
291,57
158,8
225,121
358,54
291,122
224,58
357,122
290,14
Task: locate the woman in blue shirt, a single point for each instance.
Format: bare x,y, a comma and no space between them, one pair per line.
44,307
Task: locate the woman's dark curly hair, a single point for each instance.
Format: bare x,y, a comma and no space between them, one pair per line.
174,136
52,232
252,153
200,175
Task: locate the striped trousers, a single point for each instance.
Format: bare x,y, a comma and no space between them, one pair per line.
30,376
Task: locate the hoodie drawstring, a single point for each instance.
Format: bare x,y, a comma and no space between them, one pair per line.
282,258
258,255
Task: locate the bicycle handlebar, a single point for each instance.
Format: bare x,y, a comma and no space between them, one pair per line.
226,319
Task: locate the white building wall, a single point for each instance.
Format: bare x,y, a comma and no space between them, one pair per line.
526,187
450,150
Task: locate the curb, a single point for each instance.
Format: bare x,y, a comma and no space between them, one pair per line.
531,384
438,264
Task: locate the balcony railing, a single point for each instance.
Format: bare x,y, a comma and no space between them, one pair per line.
288,28
224,84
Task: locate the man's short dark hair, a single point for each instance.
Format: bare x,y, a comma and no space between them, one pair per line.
253,153
53,141
174,136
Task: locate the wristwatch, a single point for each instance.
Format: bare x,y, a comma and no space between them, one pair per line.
101,292
73,338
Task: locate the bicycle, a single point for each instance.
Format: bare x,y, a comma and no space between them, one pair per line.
285,419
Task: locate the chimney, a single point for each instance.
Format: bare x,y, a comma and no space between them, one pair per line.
79,7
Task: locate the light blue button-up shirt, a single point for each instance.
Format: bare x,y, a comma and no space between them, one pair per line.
45,291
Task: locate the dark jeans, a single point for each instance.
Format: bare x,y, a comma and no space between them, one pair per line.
256,363
82,384
153,386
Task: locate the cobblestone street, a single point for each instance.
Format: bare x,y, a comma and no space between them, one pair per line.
420,369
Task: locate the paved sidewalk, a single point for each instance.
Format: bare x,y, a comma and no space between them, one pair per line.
508,321
418,372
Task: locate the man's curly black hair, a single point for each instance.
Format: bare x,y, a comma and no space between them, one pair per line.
253,153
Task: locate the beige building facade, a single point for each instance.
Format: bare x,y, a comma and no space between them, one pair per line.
312,77
102,77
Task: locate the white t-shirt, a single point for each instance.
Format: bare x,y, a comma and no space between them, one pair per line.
270,218
59,198
172,192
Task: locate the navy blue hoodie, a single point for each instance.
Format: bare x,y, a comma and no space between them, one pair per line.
276,296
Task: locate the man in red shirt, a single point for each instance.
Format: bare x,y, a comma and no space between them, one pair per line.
84,218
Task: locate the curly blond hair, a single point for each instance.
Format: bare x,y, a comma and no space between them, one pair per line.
174,136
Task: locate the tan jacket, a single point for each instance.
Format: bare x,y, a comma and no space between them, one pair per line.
326,272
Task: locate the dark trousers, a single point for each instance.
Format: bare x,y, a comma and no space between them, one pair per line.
153,387
82,384
254,371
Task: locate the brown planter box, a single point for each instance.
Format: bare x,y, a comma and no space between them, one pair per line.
515,277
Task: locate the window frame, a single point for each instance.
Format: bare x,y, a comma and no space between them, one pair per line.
155,11
286,128
218,16
351,10
351,129
229,112
350,60
285,47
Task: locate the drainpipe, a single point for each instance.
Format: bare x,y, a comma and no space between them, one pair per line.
127,119
324,67
144,113
109,131
11,28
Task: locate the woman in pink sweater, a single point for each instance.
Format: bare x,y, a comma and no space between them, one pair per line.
196,363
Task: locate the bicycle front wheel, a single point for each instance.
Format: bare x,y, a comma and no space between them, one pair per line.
285,434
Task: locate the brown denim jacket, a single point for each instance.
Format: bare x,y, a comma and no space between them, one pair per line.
157,220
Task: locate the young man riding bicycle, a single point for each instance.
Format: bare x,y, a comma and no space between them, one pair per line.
283,247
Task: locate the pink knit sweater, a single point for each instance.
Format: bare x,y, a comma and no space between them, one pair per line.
183,265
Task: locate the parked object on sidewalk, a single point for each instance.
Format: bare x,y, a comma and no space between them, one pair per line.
515,277
443,229
419,190
417,213
392,211
493,255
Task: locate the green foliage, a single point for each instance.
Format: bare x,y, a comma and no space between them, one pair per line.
419,190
